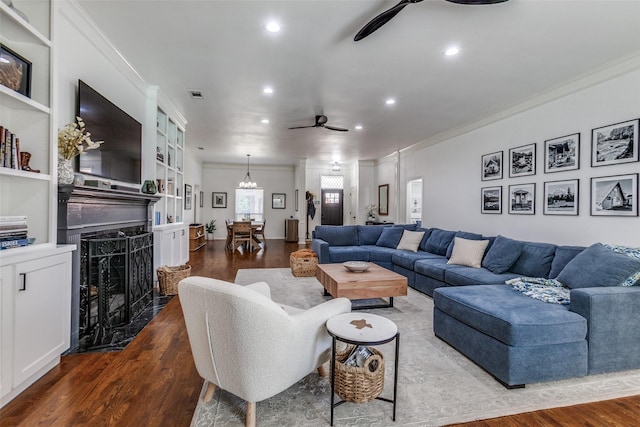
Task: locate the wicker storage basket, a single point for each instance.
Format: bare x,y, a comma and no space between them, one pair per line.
168,278
303,263
359,384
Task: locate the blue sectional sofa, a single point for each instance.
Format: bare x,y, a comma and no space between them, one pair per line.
516,338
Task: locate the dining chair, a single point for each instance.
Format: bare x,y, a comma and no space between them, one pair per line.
242,234
259,232
229,224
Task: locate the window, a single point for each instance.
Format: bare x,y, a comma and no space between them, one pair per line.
249,204
332,181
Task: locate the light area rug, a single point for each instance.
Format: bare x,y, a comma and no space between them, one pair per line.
436,386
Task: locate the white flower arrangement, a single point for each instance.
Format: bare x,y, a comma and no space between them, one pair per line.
74,140
371,210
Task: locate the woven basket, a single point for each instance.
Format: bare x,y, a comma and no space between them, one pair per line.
358,384
168,278
303,266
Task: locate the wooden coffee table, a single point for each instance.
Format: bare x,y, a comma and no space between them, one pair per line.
376,282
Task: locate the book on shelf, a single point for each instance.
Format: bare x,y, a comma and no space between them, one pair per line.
9,149
16,243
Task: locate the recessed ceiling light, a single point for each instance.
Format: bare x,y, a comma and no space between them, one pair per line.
265,121
452,51
390,101
267,89
273,27
358,127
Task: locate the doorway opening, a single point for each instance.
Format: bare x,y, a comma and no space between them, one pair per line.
332,200
414,201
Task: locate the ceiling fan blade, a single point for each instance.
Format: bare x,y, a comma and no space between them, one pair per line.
382,19
473,2
303,127
335,128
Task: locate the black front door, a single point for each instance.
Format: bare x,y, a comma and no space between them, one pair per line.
331,207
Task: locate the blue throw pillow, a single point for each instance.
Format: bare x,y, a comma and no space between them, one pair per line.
439,241
535,260
463,235
563,255
369,234
502,254
423,242
390,237
598,266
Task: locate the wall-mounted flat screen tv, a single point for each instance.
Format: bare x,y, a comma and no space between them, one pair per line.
119,157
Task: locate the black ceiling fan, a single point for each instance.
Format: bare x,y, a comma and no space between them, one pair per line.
385,16
321,123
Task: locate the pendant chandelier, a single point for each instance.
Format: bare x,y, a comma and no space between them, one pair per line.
247,182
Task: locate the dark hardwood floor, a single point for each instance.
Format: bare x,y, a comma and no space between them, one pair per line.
153,381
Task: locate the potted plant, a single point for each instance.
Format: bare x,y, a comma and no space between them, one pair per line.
210,227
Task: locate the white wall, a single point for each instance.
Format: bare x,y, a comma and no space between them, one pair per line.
452,169
225,178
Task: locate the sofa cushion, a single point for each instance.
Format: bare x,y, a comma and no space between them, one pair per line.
463,235
410,240
380,254
467,252
439,241
563,255
390,237
368,234
433,267
425,237
407,259
348,253
598,266
338,235
463,276
508,316
534,260
502,254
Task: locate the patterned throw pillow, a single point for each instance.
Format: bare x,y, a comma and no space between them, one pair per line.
634,279
468,252
547,290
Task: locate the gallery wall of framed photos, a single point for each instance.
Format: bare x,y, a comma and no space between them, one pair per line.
611,191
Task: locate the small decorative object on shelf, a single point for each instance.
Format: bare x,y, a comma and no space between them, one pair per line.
73,140
25,158
371,212
78,179
149,187
169,219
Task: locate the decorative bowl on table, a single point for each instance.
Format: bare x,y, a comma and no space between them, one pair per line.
356,266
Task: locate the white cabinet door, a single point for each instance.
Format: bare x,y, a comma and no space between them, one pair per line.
42,313
184,245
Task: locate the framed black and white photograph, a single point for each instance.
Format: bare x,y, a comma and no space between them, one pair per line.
15,71
614,195
522,161
615,144
187,197
561,197
491,200
202,199
522,199
562,154
278,201
219,200
492,166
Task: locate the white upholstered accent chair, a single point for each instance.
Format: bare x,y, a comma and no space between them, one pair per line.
246,344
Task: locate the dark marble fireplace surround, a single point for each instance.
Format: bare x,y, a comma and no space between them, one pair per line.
88,217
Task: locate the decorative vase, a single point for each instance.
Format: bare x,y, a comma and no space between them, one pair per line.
65,171
149,187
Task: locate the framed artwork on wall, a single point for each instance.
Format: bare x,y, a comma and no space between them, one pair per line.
278,201
522,199
187,197
202,199
562,154
219,200
561,197
614,195
492,166
522,161
615,144
491,200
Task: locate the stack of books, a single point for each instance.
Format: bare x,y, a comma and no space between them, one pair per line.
13,232
9,149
